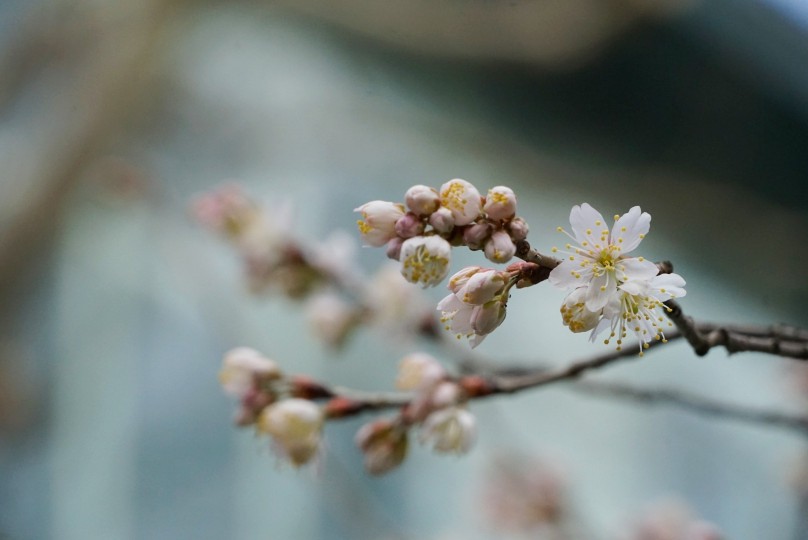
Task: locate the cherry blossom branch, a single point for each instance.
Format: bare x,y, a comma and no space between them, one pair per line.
345,402
781,340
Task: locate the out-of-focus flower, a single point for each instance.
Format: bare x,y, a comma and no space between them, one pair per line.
449,430
384,444
525,494
225,210
500,248
422,200
331,318
378,225
243,368
462,199
418,371
425,260
500,204
672,520
393,303
296,427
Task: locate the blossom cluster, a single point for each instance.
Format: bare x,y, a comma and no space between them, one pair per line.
285,409
338,297
438,407
477,303
610,290
421,232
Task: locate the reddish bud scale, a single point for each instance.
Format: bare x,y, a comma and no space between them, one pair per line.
307,388
340,407
476,386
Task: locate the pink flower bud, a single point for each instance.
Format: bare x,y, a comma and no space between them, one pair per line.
475,235
457,281
500,248
409,225
394,248
500,204
422,200
442,220
482,287
518,229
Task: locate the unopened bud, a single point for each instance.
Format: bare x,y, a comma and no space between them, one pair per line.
409,225
499,248
442,220
422,200
518,229
475,235
384,444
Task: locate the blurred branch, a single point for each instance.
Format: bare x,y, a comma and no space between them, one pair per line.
98,64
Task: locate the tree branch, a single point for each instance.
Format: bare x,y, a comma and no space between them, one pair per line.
781,340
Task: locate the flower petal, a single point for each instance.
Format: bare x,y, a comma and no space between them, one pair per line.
600,291
666,286
569,274
632,268
587,225
630,229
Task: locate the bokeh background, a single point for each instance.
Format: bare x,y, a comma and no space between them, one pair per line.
115,308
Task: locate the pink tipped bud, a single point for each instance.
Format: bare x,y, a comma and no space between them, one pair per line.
394,248
500,204
409,225
422,200
475,235
518,229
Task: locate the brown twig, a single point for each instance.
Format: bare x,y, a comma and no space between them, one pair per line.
781,340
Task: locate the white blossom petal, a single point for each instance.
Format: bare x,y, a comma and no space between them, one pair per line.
600,291
630,229
633,268
666,286
570,274
587,225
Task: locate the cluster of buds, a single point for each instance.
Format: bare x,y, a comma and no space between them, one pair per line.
438,409
286,408
421,234
268,400
338,300
272,258
478,301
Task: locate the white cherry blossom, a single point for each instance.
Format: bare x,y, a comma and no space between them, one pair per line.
296,427
451,430
598,258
